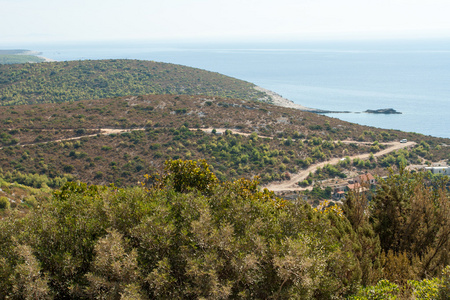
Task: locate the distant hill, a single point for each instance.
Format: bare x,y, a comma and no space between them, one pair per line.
15,52
19,56
80,80
7,59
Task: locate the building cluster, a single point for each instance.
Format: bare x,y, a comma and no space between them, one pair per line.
365,182
361,183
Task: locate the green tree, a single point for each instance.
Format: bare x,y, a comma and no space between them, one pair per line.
28,281
114,270
410,216
4,203
188,175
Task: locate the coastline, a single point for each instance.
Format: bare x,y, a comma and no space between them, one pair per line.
24,52
281,101
46,59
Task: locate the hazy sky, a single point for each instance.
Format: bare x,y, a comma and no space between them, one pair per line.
70,20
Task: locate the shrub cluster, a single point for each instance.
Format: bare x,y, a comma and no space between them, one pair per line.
185,235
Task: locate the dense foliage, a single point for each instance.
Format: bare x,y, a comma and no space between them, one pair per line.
410,215
186,235
412,219
53,82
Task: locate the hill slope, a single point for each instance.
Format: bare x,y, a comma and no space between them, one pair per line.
19,59
119,140
80,80
19,56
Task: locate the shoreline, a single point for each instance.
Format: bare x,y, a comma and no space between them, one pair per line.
46,59
25,52
281,101
284,102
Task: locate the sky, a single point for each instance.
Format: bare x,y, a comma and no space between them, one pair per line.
24,21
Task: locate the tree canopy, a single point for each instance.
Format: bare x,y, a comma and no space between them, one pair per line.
184,234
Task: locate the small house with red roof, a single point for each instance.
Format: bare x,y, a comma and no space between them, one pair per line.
360,184
365,179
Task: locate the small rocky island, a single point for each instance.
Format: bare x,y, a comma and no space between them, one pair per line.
387,111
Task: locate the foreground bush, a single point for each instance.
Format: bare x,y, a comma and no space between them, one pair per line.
186,235
183,235
427,289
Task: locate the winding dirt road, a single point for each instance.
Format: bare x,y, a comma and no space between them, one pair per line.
291,184
287,185
103,131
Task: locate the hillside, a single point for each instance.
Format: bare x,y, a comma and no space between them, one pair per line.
19,56
55,82
119,140
19,59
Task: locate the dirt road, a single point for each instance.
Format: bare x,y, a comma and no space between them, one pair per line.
288,185
103,131
291,184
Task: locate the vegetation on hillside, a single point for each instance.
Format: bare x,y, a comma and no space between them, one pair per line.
20,197
6,59
279,141
197,111
395,159
55,82
124,158
186,235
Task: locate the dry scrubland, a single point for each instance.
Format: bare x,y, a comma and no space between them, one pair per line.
66,140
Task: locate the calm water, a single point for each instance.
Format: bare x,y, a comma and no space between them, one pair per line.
412,77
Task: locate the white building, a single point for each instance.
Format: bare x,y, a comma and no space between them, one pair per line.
439,170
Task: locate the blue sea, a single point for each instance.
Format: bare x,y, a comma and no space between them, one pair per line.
410,76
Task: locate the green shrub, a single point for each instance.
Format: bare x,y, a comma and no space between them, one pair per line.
98,175
426,289
30,200
384,290
4,203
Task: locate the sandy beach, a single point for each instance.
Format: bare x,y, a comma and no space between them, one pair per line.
281,101
46,59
